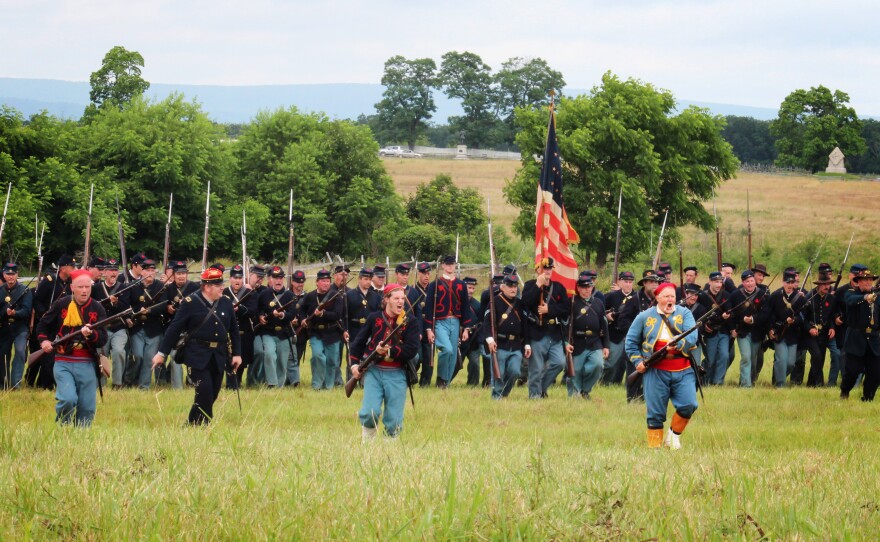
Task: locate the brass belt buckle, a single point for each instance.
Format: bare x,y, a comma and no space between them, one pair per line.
589,332
278,328
213,344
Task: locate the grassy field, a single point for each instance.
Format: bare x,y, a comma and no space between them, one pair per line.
760,464
791,215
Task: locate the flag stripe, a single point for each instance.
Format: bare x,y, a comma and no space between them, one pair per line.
553,231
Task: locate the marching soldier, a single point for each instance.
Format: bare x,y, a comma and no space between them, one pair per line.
297,288
385,382
106,292
747,320
276,309
862,341
51,288
621,309
16,305
379,279
691,302
75,361
840,323
177,291
360,301
784,315
146,333
716,330
340,284
209,320
819,316
759,332
256,374
727,271
470,349
690,277
423,278
511,342
590,342
447,312
320,311
547,303
648,283
244,304
481,316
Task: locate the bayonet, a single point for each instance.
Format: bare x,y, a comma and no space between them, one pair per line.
207,220
656,261
5,207
290,235
86,251
843,265
617,239
121,237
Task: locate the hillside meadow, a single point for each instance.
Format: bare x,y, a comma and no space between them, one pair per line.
792,216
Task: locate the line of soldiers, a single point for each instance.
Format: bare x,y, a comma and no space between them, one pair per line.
532,338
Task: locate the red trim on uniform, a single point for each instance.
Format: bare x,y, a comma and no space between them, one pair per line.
673,364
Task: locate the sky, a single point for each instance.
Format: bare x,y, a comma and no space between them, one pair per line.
740,52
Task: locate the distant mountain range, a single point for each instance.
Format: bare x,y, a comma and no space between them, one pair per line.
239,104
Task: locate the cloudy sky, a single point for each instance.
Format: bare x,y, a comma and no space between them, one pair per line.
725,51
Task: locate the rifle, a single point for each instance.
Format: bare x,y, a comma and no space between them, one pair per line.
457,263
167,234
633,378
496,368
680,270
207,220
718,256
244,257
5,207
321,306
86,251
371,359
121,236
290,236
843,265
617,241
656,261
749,226
569,356
122,291
37,354
800,293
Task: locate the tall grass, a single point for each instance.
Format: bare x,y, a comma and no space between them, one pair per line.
762,463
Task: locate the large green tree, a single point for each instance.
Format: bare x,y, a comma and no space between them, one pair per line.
523,82
408,100
142,154
343,199
811,123
117,81
35,157
624,134
466,77
868,161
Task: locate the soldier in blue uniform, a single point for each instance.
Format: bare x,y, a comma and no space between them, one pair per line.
590,342
107,292
180,288
547,303
146,333
16,304
51,287
470,349
423,278
325,331
511,340
276,310
301,338
244,303
621,308
862,343
209,320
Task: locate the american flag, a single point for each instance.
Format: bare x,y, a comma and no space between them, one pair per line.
553,233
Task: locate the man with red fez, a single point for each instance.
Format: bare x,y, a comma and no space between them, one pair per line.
52,287
672,377
210,324
385,380
75,370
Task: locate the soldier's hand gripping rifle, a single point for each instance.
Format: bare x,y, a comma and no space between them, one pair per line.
37,354
389,341
321,306
106,301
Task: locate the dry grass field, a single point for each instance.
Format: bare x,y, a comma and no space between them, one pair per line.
789,214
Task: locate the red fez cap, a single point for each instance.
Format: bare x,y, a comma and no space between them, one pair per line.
390,288
212,275
76,273
663,286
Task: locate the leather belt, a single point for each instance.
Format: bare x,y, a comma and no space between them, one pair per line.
358,321
509,337
587,333
209,344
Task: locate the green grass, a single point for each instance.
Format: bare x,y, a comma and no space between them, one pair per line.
791,464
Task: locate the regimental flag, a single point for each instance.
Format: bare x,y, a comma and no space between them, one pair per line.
553,233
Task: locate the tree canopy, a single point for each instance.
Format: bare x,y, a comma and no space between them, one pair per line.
408,101
624,134
811,123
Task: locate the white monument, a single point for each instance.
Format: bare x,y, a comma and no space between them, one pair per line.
835,162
